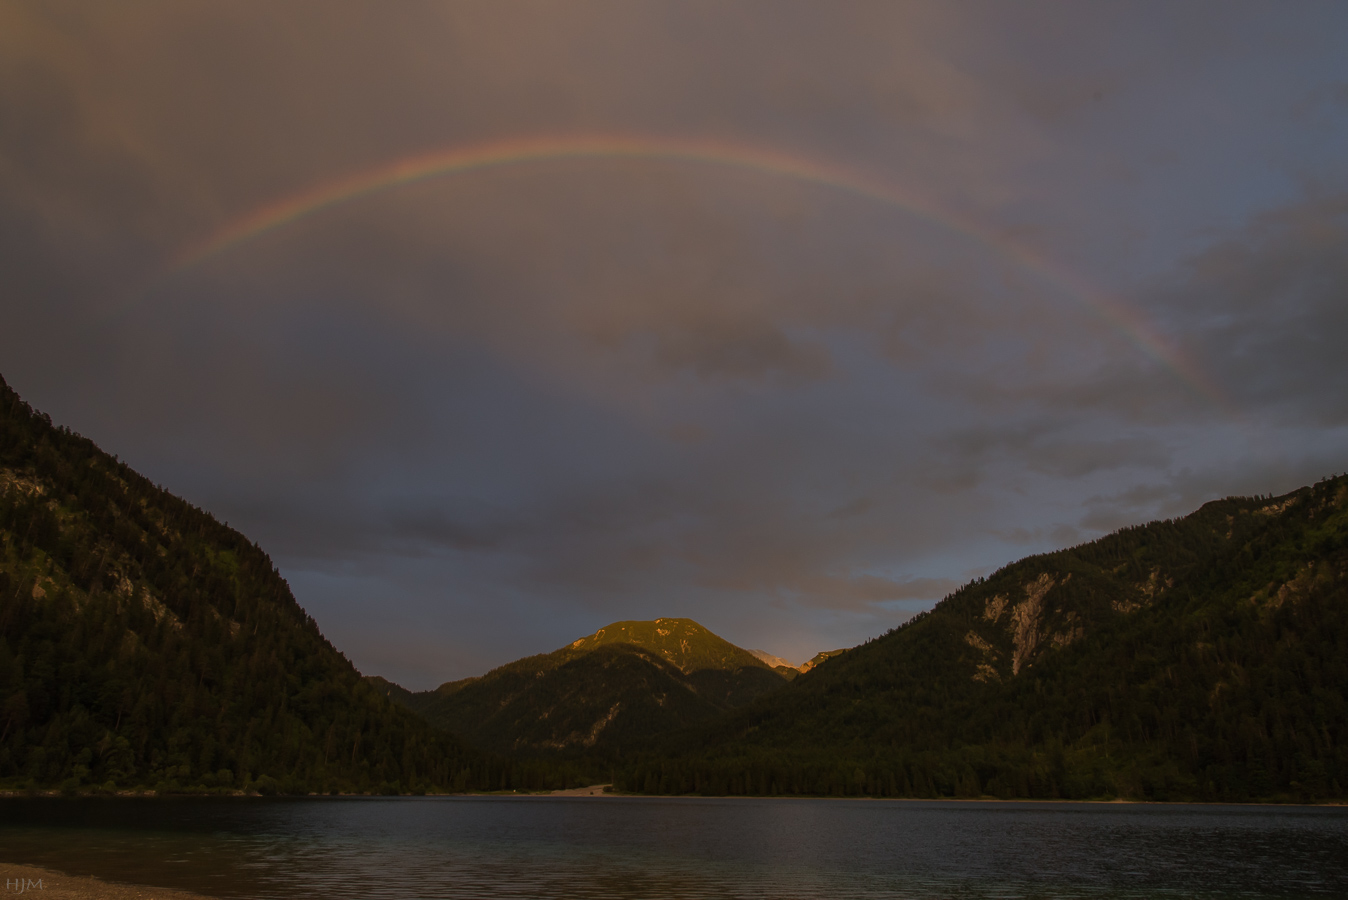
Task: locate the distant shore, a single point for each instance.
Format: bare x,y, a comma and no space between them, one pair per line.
606,790
594,790
46,884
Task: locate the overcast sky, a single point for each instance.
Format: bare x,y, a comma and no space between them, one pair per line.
789,318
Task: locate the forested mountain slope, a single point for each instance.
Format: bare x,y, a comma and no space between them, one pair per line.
1200,658
144,644
620,687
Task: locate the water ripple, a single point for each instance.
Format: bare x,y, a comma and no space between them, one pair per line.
623,848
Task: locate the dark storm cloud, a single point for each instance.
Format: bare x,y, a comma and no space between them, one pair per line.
1187,489
477,416
1050,449
1270,313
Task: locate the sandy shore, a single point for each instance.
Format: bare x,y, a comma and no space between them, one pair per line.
44,884
594,790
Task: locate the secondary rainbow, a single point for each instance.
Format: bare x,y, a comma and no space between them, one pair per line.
766,161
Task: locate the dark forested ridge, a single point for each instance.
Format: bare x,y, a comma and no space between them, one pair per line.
1200,658
143,644
623,686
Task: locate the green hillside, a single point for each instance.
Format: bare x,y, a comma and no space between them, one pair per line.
1200,658
620,687
145,645
681,642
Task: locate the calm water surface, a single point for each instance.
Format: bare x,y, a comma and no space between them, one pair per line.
656,848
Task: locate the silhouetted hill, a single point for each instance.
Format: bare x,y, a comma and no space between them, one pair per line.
622,686
144,644
1199,658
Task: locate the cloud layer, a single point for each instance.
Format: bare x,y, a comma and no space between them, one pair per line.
479,415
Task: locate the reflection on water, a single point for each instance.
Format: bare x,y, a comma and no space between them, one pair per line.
640,847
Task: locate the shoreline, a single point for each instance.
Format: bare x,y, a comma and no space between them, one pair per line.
1117,801
594,790
605,790
50,884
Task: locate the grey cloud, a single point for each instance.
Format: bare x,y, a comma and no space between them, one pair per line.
478,416
744,351
1073,459
1182,491
858,593
1139,501
1056,447
1268,313
1060,535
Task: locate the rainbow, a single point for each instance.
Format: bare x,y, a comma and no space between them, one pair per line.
765,161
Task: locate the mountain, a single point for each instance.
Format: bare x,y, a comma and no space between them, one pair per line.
1201,658
773,662
789,671
820,657
777,664
620,687
143,644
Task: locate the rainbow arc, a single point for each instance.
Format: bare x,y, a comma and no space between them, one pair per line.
765,161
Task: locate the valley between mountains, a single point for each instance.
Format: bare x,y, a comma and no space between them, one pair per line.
146,646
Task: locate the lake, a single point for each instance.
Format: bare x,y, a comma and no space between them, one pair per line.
633,847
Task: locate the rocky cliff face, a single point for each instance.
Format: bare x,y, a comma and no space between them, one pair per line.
1013,629
1051,602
